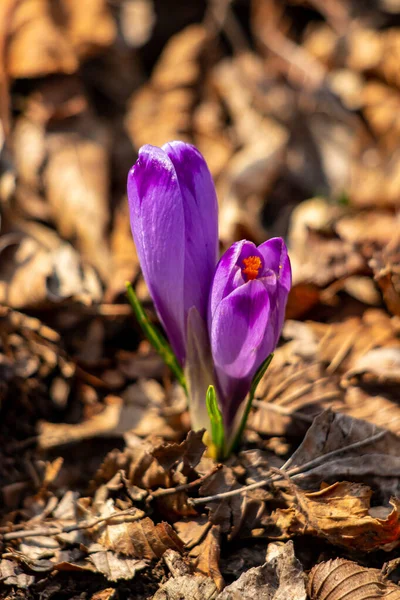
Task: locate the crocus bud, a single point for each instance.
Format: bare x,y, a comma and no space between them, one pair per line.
174,220
246,313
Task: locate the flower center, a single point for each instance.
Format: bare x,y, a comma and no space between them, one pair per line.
252,267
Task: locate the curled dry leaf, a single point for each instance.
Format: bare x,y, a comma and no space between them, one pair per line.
12,574
382,365
47,37
138,412
279,578
340,513
160,111
91,29
75,178
385,266
139,539
36,268
236,514
182,584
252,171
369,453
37,46
189,452
113,566
341,579
68,165
330,366
208,551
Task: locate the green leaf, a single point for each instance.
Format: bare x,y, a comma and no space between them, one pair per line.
217,426
156,339
256,380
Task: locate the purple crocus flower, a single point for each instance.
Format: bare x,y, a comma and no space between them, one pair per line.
246,313
174,220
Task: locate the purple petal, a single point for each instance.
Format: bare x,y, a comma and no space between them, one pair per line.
201,222
240,339
238,328
227,276
157,222
275,257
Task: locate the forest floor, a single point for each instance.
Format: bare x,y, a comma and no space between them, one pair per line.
105,493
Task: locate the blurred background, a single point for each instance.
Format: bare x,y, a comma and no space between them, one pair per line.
295,105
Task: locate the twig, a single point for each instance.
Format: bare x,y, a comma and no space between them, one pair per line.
24,533
293,472
184,486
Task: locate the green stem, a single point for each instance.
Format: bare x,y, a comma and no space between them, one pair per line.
155,338
256,380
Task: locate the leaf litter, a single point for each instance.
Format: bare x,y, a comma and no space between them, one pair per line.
105,491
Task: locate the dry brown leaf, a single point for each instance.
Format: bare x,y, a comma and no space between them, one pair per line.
234,514
375,227
140,539
106,594
37,46
208,551
115,567
254,168
374,179
91,29
326,366
64,178
125,263
75,178
37,268
340,513
279,578
379,366
339,579
160,111
183,584
381,108
189,452
108,422
192,532
369,453
385,266
137,412
12,574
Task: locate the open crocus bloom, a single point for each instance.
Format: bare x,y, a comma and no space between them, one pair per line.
246,313
174,220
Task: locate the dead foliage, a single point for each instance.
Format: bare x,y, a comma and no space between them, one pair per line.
105,492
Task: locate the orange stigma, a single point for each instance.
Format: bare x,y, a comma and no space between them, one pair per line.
252,266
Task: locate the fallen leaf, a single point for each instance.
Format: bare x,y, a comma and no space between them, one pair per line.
75,179
115,567
234,514
139,538
340,513
348,366
338,579
160,111
183,584
207,563
90,30
279,578
37,268
189,452
37,46
12,574
386,273
369,453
